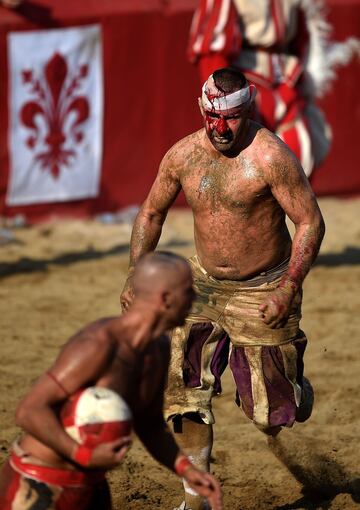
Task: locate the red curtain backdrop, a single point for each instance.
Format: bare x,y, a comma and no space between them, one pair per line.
340,175
151,96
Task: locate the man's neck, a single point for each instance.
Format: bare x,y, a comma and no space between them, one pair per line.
147,322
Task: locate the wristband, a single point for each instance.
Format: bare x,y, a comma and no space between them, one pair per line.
82,455
181,465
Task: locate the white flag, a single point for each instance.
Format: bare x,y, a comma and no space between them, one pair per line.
56,114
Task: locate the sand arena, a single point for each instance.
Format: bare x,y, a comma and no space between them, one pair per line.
58,276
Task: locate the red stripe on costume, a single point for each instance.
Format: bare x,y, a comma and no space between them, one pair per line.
208,33
233,35
195,31
294,104
278,18
268,105
209,63
207,17
294,75
10,481
54,476
256,78
291,138
288,94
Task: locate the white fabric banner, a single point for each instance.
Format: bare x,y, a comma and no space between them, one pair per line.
56,114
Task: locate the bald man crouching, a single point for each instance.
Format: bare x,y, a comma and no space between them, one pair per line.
128,354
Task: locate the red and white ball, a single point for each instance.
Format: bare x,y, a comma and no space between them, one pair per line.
96,415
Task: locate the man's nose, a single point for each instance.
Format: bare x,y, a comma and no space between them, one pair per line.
221,126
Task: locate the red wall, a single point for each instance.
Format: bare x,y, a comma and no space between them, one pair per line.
151,97
340,173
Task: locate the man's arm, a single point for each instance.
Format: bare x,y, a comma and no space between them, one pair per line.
292,190
79,363
149,221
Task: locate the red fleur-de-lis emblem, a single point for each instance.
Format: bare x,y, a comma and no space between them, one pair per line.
55,98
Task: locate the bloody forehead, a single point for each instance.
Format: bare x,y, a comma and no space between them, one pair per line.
224,103
231,111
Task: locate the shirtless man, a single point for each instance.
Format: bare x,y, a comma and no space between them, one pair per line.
240,181
128,354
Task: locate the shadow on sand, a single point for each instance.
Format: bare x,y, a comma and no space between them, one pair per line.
321,477
349,257
27,265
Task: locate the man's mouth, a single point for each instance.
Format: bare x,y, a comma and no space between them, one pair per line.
221,139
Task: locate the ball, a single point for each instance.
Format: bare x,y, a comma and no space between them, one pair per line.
96,415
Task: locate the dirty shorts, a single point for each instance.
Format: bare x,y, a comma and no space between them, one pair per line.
28,484
224,327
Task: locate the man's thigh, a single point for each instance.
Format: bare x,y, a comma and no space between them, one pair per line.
269,381
199,351
199,355
242,320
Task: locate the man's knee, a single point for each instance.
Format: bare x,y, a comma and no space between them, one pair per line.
185,421
192,433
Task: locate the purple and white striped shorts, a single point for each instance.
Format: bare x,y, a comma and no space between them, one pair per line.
225,328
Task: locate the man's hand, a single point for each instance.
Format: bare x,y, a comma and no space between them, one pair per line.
127,295
109,455
205,485
275,310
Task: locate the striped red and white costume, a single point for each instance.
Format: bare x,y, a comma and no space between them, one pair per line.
268,40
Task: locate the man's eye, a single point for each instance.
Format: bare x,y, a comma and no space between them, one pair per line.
213,115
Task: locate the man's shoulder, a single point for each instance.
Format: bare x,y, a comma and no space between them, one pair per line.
182,148
97,332
90,346
269,147
263,136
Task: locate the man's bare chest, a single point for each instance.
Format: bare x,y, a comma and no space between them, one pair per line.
237,186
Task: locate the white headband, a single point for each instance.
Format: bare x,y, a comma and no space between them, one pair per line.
226,102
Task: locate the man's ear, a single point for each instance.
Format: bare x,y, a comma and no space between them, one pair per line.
201,106
165,299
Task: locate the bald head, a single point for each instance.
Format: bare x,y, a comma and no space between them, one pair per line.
159,271
163,281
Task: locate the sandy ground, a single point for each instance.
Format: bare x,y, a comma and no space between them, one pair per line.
55,277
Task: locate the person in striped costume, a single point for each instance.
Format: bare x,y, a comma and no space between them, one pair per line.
280,46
